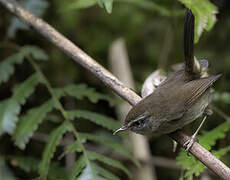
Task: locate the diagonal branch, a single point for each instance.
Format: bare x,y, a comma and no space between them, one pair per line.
108,79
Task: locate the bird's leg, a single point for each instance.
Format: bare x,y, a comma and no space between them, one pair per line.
188,144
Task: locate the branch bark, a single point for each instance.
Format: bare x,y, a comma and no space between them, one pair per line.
108,79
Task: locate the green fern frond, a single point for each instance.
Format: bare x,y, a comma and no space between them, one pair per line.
104,173
29,123
117,147
78,167
50,148
108,161
7,66
208,140
25,89
80,91
221,152
36,52
96,118
93,172
9,110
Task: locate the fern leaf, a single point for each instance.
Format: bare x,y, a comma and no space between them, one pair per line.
9,110
101,172
221,152
29,123
91,172
96,118
50,148
75,147
25,89
208,140
36,52
80,91
7,66
78,167
117,147
108,161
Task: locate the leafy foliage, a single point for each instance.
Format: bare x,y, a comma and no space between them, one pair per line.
29,123
96,118
205,15
48,153
9,110
80,91
7,66
207,140
79,166
108,161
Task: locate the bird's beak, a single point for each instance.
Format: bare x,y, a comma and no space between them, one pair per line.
122,128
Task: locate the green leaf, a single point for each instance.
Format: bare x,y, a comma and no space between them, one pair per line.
80,91
96,118
25,89
7,66
50,148
9,110
29,123
107,4
117,147
78,167
108,161
88,173
205,15
75,147
81,4
221,152
104,173
207,140
35,51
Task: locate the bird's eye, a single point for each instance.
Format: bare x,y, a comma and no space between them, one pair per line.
139,123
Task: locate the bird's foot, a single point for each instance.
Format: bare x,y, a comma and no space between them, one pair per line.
189,143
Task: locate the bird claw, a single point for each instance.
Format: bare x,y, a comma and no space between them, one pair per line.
189,143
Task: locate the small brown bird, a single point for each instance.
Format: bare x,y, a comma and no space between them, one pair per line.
177,101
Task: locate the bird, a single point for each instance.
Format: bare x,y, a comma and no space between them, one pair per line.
180,99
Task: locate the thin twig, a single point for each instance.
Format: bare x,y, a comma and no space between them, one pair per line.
108,79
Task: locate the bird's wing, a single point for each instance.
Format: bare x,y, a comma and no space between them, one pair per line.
197,87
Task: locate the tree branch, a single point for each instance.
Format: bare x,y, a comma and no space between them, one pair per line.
108,79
